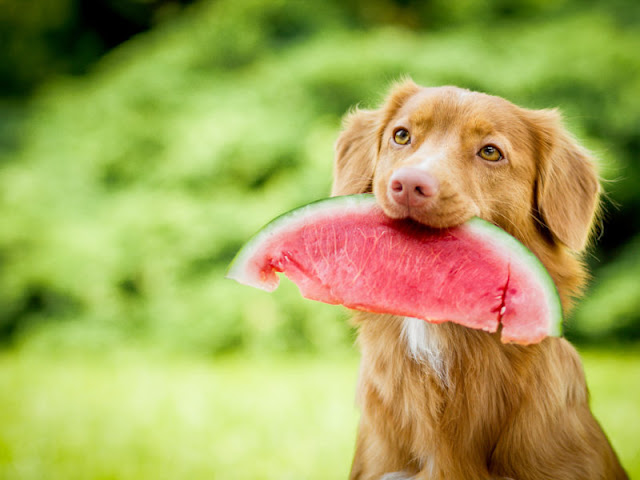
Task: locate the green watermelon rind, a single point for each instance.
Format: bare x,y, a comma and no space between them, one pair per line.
327,206
521,254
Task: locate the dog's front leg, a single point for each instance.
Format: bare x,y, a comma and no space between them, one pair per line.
375,456
420,476
379,457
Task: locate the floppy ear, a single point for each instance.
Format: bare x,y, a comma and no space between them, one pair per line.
568,189
356,152
358,145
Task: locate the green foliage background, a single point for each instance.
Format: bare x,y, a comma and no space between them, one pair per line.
125,192
135,161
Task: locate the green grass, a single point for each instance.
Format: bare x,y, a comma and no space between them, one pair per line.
136,417
144,416
614,381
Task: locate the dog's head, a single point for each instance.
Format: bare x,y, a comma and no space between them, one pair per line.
442,155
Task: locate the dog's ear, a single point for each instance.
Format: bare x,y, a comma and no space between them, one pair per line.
568,187
358,145
356,151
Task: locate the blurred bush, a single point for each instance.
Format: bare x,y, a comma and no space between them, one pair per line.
132,187
44,39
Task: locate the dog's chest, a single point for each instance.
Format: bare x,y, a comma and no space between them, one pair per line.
424,345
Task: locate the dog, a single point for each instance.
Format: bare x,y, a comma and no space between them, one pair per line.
444,401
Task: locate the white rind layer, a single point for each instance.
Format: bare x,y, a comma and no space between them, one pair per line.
240,268
522,255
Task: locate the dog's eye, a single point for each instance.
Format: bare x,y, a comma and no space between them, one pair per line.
401,136
490,153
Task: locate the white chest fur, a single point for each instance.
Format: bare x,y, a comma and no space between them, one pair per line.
424,345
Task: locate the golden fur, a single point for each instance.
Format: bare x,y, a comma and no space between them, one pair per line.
513,411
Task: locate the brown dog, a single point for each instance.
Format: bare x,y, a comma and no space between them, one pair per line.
444,401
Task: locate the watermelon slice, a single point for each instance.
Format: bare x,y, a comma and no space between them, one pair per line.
345,250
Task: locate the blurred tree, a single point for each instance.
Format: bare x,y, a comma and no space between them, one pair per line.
41,40
132,186
44,39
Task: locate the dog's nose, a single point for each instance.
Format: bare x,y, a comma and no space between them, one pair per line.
412,186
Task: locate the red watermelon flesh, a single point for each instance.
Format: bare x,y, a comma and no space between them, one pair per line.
345,250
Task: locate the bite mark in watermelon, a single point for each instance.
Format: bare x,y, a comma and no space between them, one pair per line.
345,250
